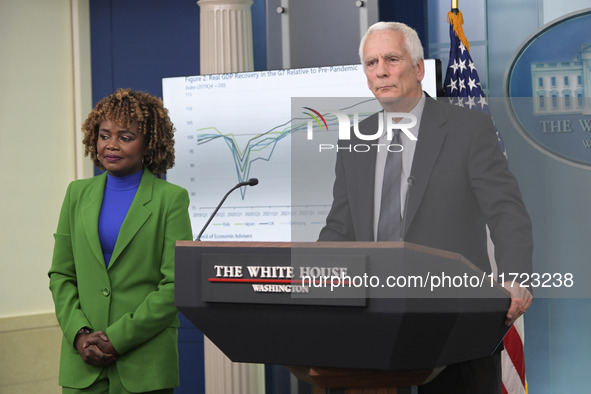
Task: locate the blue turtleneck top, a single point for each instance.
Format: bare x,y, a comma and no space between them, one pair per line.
118,196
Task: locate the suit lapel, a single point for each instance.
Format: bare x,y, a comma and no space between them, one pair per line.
431,138
92,209
137,215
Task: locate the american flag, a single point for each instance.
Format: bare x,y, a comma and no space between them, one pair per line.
462,87
462,84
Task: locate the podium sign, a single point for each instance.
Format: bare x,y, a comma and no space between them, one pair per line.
256,278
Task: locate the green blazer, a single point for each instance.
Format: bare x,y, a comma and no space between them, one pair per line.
133,299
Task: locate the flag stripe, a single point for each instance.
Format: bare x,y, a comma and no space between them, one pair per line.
513,342
511,381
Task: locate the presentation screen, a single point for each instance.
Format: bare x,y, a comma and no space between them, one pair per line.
237,126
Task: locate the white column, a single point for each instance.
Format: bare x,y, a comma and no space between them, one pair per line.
222,376
225,36
226,46
82,81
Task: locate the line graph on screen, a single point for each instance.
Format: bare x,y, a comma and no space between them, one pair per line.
232,127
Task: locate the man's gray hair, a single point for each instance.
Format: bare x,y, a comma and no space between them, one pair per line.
411,39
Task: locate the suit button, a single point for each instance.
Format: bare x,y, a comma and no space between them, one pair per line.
106,291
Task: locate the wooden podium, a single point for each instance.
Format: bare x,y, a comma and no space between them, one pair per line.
400,313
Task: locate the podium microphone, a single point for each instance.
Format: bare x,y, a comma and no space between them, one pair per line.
250,182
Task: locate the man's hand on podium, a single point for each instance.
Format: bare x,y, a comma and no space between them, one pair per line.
521,299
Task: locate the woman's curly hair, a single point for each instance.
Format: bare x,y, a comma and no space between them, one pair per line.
122,108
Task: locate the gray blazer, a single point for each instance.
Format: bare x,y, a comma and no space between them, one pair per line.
461,183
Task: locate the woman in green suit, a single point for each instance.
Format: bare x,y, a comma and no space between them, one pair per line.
112,273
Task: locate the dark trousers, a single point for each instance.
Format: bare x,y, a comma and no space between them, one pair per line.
480,376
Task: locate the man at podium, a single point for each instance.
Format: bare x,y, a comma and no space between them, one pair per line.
441,189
